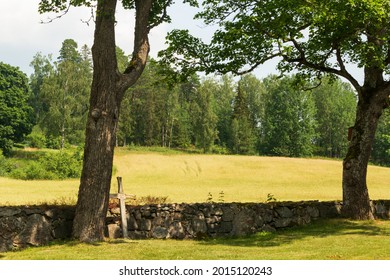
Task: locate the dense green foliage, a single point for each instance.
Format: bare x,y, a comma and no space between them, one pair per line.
16,116
289,119
274,116
60,95
42,165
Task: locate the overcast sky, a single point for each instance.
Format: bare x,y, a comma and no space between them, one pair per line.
23,35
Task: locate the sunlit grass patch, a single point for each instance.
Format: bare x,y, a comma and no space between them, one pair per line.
322,240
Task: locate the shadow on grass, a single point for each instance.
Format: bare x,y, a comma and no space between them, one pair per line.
318,229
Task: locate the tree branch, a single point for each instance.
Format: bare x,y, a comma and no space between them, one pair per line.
141,46
163,17
50,20
345,72
257,64
302,60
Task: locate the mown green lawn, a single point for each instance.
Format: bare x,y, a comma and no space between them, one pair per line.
322,240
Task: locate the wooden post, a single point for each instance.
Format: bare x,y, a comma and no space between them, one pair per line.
122,205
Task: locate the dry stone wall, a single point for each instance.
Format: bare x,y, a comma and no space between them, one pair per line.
33,226
200,220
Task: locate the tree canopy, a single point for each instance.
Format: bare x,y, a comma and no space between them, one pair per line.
16,116
311,36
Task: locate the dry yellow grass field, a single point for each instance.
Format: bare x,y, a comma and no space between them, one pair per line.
190,178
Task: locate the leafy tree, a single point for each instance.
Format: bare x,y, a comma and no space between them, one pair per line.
109,86
65,92
381,151
16,116
224,98
289,119
69,52
243,137
336,106
183,132
42,66
204,117
314,38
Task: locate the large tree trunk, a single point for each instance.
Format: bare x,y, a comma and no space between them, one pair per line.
108,88
356,201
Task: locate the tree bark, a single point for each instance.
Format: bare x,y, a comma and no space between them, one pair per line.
107,91
356,201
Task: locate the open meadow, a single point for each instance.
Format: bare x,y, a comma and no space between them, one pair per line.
196,178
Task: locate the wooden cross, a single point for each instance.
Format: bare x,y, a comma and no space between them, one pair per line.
122,198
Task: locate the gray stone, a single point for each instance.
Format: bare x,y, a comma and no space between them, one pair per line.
37,231
228,214
32,210
160,233
176,231
132,223
137,234
330,209
243,223
5,244
381,211
62,229
199,225
8,212
284,212
138,216
259,222
146,225
212,228
268,228
313,211
10,226
115,211
217,212
114,231
213,220
282,222
301,220
50,213
225,227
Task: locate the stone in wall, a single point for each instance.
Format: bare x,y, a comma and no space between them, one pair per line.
243,223
10,226
36,231
382,209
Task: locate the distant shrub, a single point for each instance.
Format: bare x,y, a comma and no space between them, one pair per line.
35,170
36,140
219,150
49,166
5,165
53,142
63,165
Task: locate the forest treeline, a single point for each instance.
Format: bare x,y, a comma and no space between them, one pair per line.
278,116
